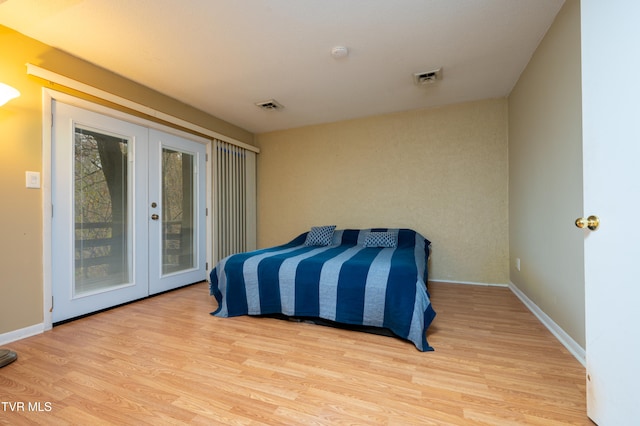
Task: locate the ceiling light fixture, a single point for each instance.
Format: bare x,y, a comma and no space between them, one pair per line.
7,93
339,52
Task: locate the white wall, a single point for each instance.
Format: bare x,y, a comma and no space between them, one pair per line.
545,176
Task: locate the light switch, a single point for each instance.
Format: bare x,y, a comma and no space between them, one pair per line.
33,179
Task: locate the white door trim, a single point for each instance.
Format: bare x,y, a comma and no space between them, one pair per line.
48,95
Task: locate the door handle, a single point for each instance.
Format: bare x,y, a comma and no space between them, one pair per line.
155,216
591,222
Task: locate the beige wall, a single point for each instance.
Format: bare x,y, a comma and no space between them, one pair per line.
21,285
545,176
442,172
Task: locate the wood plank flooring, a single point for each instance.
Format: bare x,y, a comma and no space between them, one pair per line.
165,360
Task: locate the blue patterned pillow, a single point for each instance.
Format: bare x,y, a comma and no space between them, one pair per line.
381,239
320,235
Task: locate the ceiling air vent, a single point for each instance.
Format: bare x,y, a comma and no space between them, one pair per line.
270,105
427,77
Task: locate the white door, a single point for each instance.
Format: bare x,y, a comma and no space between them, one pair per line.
177,211
107,246
611,156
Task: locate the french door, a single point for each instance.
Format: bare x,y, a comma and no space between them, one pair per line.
128,211
177,211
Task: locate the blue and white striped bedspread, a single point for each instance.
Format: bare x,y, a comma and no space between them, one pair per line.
344,282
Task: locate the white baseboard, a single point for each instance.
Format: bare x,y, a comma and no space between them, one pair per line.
468,283
572,346
22,333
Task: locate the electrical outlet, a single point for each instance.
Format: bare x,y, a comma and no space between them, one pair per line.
518,263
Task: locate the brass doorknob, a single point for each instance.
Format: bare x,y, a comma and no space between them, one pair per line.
591,222
155,216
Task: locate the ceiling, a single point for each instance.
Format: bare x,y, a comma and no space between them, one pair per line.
224,56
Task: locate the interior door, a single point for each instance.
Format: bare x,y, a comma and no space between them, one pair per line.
99,237
611,151
177,211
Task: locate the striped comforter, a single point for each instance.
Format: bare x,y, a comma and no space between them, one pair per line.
344,282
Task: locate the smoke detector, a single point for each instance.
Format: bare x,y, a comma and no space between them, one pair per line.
427,77
340,52
270,105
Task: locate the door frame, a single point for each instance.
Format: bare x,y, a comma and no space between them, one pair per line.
48,95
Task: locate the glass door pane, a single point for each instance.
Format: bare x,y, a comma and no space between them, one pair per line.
101,211
99,225
177,211
178,191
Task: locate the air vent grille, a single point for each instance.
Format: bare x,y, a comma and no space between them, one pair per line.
270,105
427,77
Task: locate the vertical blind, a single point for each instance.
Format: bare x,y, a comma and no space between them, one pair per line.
234,200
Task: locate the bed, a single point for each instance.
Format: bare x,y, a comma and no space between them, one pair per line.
361,277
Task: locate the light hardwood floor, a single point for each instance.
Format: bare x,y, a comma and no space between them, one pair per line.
165,360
